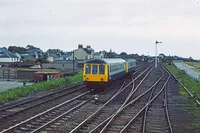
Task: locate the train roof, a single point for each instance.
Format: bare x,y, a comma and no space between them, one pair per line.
107,61
129,59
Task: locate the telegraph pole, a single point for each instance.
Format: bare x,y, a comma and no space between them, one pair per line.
156,54
73,62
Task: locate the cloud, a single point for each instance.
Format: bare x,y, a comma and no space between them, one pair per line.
123,25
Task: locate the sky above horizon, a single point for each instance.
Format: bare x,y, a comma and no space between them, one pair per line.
130,26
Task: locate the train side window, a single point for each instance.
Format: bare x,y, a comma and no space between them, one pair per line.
101,69
94,69
87,69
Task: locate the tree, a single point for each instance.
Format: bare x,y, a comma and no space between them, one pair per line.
16,49
43,59
112,55
29,59
55,51
31,47
123,55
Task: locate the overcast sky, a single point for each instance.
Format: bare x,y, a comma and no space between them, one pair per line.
130,26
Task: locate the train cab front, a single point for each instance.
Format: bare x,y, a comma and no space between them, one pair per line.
94,76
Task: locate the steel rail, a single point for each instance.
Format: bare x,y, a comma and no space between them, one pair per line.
58,117
37,104
147,104
197,101
129,96
146,110
166,104
139,68
45,112
97,111
28,101
131,102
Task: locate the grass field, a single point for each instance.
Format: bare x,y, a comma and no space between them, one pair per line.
194,88
18,92
194,64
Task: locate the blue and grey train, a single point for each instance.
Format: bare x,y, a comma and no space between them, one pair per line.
99,72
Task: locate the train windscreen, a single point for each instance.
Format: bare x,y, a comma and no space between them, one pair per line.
94,69
87,69
101,69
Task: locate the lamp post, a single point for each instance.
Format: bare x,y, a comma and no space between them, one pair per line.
156,54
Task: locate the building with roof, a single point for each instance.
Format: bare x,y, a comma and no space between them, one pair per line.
82,53
47,75
51,57
99,55
7,56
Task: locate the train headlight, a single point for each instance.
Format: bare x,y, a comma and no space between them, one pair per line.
101,79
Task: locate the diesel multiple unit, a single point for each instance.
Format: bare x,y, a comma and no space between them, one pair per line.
100,72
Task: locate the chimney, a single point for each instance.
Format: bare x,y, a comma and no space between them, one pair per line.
80,46
88,47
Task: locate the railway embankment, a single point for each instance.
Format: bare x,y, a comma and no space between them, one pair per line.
23,91
187,81
193,88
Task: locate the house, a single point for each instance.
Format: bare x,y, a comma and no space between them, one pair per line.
99,55
56,54
82,53
36,53
67,55
51,57
7,56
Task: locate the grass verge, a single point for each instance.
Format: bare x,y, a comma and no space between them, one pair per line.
18,92
194,87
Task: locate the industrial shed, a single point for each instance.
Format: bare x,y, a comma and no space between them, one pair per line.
47,75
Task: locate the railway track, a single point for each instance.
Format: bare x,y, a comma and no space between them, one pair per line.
58,113
156,97
47,117
10,111
44,119
103,126
124,120
36,122
156,116
103,112
22,106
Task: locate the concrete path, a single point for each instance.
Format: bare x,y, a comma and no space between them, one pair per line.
189,70
5,85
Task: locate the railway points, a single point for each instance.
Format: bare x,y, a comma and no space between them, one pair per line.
124,102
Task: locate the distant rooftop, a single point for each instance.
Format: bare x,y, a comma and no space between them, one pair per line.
4,53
